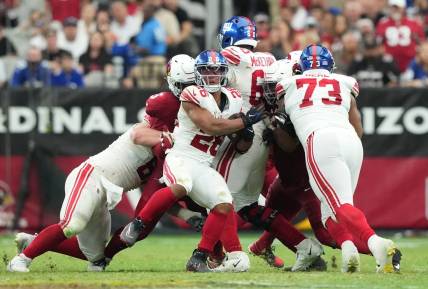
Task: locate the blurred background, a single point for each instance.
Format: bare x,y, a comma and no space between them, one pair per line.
75,74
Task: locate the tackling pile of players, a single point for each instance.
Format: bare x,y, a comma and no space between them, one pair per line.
235,124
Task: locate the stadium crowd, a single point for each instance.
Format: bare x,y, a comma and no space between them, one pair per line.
127,43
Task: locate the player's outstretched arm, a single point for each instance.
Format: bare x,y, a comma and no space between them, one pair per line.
145,136
218,126
355,117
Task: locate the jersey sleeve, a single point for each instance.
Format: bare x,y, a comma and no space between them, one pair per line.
355,87
193,94
281,87
162,109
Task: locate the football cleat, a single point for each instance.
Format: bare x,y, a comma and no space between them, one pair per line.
22,240
235,262
198,262
350,258
267,254
307,253
99,265
131,232
390,259
19,263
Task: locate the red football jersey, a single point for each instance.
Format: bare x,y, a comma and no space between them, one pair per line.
291,167
400,39
162,109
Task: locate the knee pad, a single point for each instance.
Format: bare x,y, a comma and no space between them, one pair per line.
74,227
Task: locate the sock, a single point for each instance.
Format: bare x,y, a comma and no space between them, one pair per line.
150,187
338,232
115,245
212,230
229,237
265,241
284,231
157,205
70,247
47,240
355,221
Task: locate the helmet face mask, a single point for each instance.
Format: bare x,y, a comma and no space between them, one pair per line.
211,70
180,73
269,92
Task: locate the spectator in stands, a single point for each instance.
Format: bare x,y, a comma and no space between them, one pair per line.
374,68
124,26
34,29
52,51
344,55
168,21
32,72
103,21
186,43
262,25
86,24
65,74
6,46
281,38
353,10
151,40
70,40
309,35
96,58
400,34
416,74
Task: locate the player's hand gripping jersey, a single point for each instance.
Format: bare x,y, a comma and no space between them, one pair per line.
317,99
190,141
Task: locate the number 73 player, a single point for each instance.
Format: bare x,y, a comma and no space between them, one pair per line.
322,108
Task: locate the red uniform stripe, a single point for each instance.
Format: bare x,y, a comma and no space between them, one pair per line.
226,160
169,174
230,57
77,192
230,164
319,179
329,187
186,96
72,190
314,56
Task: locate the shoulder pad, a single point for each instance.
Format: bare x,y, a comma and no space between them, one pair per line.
237,55
234,92
157,102
193,94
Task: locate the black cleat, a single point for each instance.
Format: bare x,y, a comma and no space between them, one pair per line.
318,265
130,233
396,259
198,262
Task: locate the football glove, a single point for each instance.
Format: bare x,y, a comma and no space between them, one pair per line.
254,115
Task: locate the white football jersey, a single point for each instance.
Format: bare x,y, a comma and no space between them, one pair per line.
247,72
122,162
317,99
190,140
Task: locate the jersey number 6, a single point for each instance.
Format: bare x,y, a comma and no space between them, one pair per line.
334,93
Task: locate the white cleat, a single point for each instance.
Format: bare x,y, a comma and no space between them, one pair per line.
387,256
308,252
19,263
235,262
350,258
98,266
22,240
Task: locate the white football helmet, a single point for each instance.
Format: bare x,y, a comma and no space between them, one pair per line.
294,58
180,73
274,73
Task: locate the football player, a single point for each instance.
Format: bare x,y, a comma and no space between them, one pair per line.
244,173
202,123
97,185
322,108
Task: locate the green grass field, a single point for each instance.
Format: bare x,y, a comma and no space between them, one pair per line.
158,262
